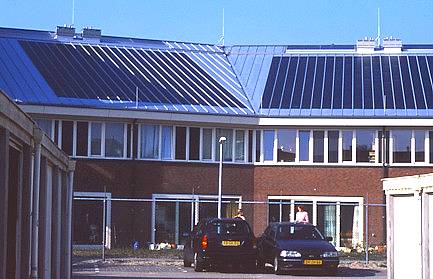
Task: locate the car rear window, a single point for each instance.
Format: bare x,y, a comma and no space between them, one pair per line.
228,227
298,233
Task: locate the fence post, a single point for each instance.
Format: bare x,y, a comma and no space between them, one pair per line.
103,224
366,231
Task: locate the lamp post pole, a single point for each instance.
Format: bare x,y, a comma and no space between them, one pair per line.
220,173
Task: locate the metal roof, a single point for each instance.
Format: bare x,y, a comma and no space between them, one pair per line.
38,67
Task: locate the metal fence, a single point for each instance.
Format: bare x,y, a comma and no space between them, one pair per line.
164,221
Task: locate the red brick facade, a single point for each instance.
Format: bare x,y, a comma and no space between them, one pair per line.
140,179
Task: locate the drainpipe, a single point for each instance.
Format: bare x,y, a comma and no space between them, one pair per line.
70,191
37,135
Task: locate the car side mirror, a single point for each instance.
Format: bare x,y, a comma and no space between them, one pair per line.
329,238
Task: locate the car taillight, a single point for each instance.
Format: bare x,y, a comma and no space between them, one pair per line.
204,242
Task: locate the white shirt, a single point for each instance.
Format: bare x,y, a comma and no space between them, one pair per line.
302,217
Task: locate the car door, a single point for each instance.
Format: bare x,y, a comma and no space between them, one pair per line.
267,244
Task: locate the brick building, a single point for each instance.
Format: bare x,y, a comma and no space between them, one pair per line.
318,125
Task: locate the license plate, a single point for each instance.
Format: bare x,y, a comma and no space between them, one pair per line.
231,243
312,262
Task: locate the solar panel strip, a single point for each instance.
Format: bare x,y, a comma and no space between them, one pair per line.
396,83
357,83
299,83
191,81
337,96
12,85
426,79
367,82
159,71
174,77
424,93
207,78
416,83
202,83
347,81
294,84
309,80
316,101
279,82
170,92
270,83
153,82
407,83
290,83
387,83
429,60
377,83
372,83
139,81
328,83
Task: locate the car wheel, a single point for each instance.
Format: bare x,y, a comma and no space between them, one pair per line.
277,269
198,264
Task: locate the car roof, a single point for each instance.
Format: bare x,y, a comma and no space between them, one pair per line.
295,224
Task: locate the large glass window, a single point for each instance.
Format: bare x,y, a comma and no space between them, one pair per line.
95,139
286,151
194,143
318,148
419,146
240,146
180,143
401,146
347,146
227,146
82,137
207,144
149,137
167,136
304,145
258,145
114,139
268,145
67,136
333,146
365,146
250,145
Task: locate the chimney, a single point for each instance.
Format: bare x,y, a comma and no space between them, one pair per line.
393,45
365,45
65,32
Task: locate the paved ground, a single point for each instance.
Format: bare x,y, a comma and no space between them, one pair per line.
163,268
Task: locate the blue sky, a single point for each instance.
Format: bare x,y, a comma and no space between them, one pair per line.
246,21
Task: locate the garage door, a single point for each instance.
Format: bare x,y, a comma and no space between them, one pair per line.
407,237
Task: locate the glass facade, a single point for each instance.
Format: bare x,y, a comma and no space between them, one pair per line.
318,146
96,139
419,137
333,146
401,146
286,151
166,142
114,139
268,145
365,146
347,145
149,141
240,146
304,145
207,144
227,145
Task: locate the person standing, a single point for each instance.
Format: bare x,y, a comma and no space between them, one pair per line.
301,215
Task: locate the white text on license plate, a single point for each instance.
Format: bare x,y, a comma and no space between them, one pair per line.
231,243
312,262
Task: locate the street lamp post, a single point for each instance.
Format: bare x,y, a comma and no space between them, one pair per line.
220,174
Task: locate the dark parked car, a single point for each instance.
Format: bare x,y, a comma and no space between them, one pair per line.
220,241
296,246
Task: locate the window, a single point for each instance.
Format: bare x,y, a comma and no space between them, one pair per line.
95,139
167,135
207,144
194,143
347,146
419,146
304,145
82,137
431,145
383,146
401,146
268,145
258,145
114,139
333,146
149,141
250,146
46,126
227,146
318,148
67,136
286,151
365,146
180,143
240,146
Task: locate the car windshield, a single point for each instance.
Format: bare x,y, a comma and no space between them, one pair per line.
298,233
228,227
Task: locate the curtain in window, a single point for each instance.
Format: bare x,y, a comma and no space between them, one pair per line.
227,146
330,221
149,138
355,229
166,140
